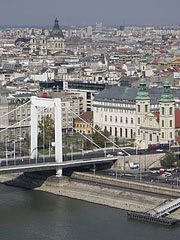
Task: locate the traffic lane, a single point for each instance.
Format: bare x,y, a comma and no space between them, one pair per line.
142,176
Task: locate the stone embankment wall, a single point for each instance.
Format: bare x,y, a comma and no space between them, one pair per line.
145,161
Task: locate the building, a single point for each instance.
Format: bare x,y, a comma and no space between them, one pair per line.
53,45
81,126
150,116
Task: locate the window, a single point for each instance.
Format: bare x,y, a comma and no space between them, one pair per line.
139,108
131,133
110,118
150,137
126,120
131,120
138,131
105,118
115,118
126,132
139,120
110,131
115,131
121,120
146,108
162,134
170,123
162,123
170,134
120,132
162,109
170,110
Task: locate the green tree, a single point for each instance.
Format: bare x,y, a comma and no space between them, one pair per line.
106,133
47,134
98,138
169,160
87,145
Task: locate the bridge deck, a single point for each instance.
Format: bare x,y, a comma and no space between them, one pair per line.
53,165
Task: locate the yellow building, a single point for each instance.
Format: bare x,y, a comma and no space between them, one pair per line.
81,126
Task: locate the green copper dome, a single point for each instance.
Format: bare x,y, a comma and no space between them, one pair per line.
143,93
167,95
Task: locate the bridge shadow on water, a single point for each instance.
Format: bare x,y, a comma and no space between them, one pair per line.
31,180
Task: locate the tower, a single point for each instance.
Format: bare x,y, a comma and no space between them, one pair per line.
33,43
142,109
167,115
43,44
143,64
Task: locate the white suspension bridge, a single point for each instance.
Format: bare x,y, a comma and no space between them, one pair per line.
33,162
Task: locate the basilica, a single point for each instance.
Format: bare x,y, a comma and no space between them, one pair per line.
51,45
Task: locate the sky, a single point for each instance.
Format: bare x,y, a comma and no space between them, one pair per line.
88,12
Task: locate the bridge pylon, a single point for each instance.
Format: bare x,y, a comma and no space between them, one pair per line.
46,103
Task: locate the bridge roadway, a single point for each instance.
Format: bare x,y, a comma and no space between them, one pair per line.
53,165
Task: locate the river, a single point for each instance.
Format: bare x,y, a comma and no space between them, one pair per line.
35,215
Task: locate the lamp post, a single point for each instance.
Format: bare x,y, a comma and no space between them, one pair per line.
49,149
105,150
139,170
124,165
6,151
177,178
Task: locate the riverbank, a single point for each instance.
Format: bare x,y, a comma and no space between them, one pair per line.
85,186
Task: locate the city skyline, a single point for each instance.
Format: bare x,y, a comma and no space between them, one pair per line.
79,12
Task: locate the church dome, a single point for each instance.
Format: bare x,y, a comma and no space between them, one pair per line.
56,32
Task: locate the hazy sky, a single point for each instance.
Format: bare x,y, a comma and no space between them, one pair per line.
72,12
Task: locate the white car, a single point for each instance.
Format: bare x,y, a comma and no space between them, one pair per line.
120,153
110,155
159,150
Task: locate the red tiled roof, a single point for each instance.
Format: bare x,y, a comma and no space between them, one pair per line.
87,116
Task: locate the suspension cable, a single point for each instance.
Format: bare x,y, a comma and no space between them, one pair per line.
82,134
17,123
98,131
15,109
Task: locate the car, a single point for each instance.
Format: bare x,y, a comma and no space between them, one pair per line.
110,155
120,153
159,150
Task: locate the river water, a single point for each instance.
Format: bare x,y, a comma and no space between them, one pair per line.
34,215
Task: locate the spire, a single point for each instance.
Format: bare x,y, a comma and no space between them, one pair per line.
143,93
43,33
32,32
56,24
167,95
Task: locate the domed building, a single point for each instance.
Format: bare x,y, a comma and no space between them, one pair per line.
52,45
56,42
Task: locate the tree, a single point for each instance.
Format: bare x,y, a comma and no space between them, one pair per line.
169,160
47,134
98,138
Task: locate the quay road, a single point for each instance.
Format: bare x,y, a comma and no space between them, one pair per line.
173,179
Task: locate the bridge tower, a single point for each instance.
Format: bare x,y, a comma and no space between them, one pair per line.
47,103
